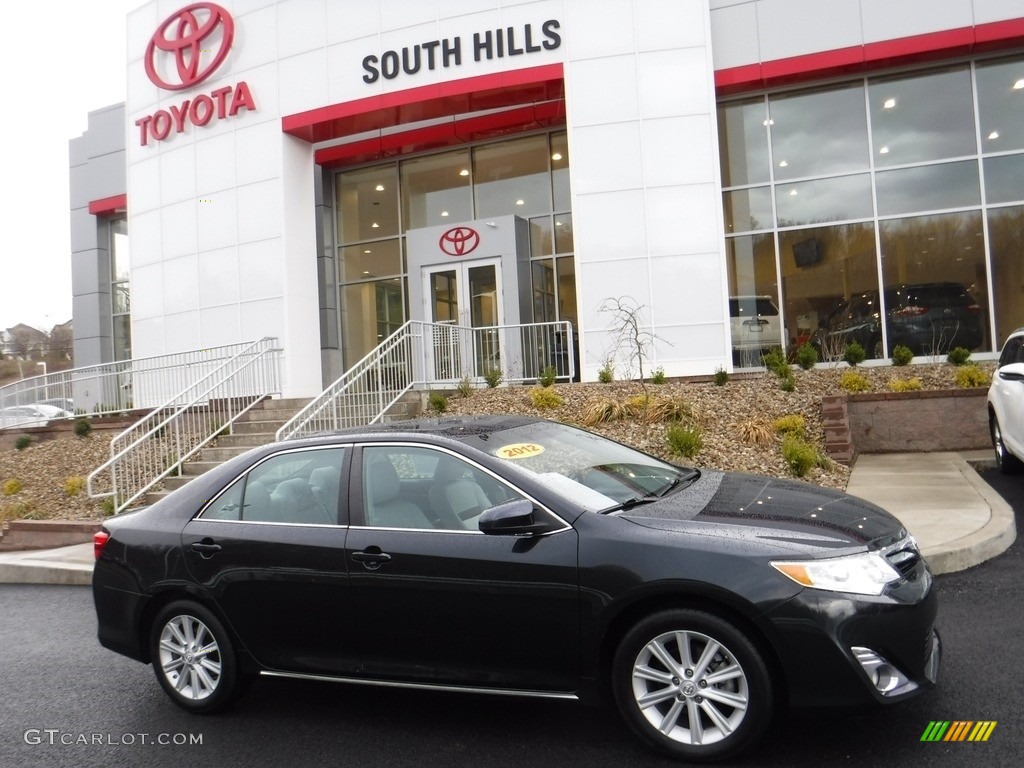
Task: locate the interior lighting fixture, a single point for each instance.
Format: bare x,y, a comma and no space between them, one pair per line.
783,164
464,172
883,151
994,135
379,187
793,193
375,225
556,156
444,213
889,103
520,201
1019,85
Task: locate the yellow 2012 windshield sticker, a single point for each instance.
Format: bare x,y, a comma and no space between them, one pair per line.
519,451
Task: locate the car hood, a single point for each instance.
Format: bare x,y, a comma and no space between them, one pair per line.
781,510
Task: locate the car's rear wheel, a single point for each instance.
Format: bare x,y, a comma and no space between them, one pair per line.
1008,463
692,685
193,657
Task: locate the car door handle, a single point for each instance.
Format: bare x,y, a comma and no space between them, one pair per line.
206,548
371,558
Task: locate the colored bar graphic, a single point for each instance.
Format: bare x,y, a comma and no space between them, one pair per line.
959,730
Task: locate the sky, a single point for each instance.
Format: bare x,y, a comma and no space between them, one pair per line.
60,60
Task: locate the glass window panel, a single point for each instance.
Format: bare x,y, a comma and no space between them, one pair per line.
923,117
930,187
826,274
367,203
436,190
1005,234
1001,105
566,269
743,142
751,267
817,133
563,233
370,312
370,260
542,236
1004,178
512,178
122,337
560,171
121,298
936,288
543,290
815,202
748,210
119,264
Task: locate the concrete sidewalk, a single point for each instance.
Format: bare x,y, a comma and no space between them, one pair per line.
958,520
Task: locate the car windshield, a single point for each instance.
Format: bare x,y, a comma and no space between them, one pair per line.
599,474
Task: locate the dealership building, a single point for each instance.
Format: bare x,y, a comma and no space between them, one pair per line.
322,171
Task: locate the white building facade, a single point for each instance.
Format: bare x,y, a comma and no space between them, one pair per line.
321,171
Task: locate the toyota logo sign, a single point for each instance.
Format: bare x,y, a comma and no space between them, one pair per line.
458,241
186,40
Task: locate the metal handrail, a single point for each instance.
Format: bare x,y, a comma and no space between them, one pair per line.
423,354
158,444
115,387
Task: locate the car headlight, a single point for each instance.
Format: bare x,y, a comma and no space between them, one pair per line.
866,573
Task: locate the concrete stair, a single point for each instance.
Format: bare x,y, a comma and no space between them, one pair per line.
259,427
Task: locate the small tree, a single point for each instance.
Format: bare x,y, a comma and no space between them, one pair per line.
633,341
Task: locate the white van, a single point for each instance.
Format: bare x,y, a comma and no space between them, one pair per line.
755,326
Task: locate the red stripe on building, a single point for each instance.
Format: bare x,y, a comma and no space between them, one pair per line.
109,205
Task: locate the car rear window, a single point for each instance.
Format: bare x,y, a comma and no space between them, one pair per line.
936,295
748,307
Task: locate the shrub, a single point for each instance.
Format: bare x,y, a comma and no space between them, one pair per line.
901,355
721,376
108,506
658,377
82,427
854,354
493,377
851,381
657,409
958,356
968,376
23,510
800,455
756,431
464,387
74,485
12,486
775,361
548,376
791,424
684,441
543,397
22,443
437,402
602,410
905,385
607,373
787,381
806,356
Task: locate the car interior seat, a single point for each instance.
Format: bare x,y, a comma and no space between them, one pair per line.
454,498
384,507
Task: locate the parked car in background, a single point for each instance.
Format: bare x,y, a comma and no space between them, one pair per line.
35,415
1006,405
929,318
515,556
755,327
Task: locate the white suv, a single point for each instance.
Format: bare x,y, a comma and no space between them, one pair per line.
755,326
1006,405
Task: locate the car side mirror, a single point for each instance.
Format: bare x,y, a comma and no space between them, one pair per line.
511,518
1012,372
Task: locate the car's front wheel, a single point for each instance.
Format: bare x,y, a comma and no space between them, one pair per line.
1008,463
692,685
193,657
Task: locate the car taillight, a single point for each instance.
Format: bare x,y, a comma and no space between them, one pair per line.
911,311
99,541
973,308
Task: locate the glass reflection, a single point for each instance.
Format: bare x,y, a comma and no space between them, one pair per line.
748,210
560,171
371,260
743,142
436,190
1001,105
1004,178
815,202
512,177
367,201
819,132
1005,235
922,117
928,187
750,263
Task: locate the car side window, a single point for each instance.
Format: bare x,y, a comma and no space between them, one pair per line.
423,488
1013,351
298,487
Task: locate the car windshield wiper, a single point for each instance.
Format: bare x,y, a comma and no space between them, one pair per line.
635,501
679,482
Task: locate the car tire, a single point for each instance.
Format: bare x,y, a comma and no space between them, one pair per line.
692,685
1007,463
193,657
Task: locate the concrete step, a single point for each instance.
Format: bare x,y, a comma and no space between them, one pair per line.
173,482
199,467
244,441
262,427
219,455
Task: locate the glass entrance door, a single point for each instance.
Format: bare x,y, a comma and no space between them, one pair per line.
466,296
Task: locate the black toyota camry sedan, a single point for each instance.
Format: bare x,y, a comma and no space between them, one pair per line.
509,555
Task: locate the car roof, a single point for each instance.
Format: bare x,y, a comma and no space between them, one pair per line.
445,426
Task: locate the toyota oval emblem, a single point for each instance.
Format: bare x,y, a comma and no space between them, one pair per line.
458,241
189,39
